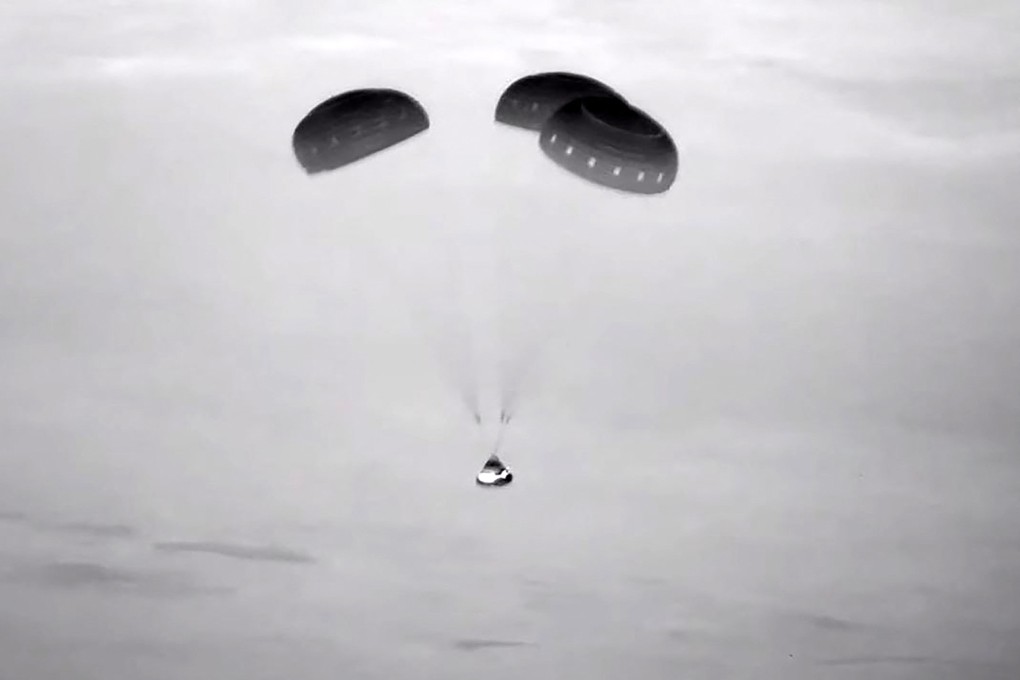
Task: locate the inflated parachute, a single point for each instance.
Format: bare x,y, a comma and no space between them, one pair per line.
529,101
608,142
354,125
593,131
350,127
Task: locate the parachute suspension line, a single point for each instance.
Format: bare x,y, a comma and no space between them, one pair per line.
504,422
546,323
461,384
505,402
514,374
510,366
476,270
461,378
473,398
640,152
464,267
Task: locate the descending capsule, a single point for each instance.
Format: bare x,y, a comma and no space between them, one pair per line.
608,142
354,125
529,101
494,473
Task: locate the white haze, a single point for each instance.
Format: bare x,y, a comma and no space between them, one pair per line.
772,431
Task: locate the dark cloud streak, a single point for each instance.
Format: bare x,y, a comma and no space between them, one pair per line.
471,645
78,575
96,530
234,551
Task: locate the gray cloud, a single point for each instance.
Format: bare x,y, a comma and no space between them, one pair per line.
85,528
472,645
831,623
873,660
79,574
75,575
97,530
241,552
13,517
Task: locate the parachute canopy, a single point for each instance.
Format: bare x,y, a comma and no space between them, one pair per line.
607,141
529,101
354,125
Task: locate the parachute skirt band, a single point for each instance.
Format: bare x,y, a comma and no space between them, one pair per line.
610,143
528,102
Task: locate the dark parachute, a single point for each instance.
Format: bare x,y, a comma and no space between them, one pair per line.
607,141
354,125
529,101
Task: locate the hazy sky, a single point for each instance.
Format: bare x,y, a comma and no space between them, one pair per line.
772,430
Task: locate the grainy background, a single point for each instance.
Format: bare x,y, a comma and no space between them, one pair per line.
772,432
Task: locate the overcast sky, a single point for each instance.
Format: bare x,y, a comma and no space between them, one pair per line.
771,422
